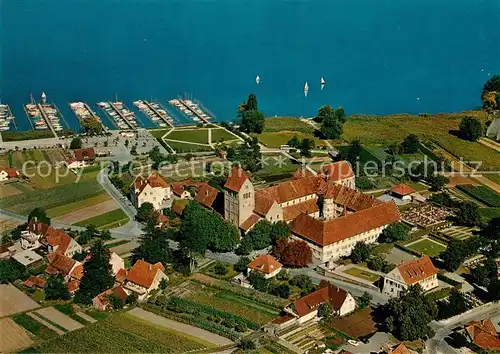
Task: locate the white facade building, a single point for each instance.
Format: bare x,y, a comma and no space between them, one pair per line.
152,190
418,271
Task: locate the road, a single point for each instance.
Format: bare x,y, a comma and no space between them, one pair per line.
437,345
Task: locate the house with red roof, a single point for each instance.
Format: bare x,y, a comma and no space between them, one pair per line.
266,265
38,233
417,271
483,334
8,173
153,189
82,158
403,191
67,267
340,173
144,277
306,308
101,301
34,282
208,196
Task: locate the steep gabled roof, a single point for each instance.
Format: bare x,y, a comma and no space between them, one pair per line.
338,171
263,203
483,333
294,189
250,222
417,269
154,180
206,195
236,179
33,281
52,236
144,273
328,293
400,349
403,189
84,154
348,197
59,263
308,207
327,232
177,188
265,264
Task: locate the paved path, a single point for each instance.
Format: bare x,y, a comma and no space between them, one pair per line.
59,318
180,327
86,317
45,323
490,143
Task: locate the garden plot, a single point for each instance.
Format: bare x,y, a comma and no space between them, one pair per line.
87,212
12,337
363,274
13,300
427,246
458,232
306,338
59,318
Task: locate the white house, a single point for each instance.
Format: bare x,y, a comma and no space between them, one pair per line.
83,158
144,277
116,262
38,233
306,308
266,265
8,173
154,190
418,271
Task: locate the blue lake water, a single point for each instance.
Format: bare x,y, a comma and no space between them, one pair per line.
377,56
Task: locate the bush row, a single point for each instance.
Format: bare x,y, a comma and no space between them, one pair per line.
456,284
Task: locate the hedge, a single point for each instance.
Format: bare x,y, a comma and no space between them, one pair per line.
439,294
456,284
193,320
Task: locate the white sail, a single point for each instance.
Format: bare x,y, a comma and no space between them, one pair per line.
257,79
306,89
322,81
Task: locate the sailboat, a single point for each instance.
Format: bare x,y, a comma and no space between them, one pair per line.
257,79
322,83
306,89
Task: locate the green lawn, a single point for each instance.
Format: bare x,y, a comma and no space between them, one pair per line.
489,213
278,124
222,135
34,326
276,139
191,135
159,133
186,147
362,274
123,333
428,247
65,209
210,271
103,220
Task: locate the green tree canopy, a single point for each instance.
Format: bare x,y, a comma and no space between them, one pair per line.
454,255
411,144
294,142
10,270
361,252
258,281
252,120
76,143
303,282
331,121
116,302
471,129
468,214
144,211
56,289
395,232
325,310
364,300
91,125
260,235
279,230
154,247
242,265
40,215
437,182
306,146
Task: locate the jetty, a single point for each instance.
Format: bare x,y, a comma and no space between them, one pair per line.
46,118
6,117
157,113
190,109
122,116
83,111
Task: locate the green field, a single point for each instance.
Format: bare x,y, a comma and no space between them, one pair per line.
222,135
105,220
189,135
495,177
482,193
428,247
67,208
159,133
489,213
186,147
210,271
33,326
278,124
27,135
362,274
123,333
276,139
51,197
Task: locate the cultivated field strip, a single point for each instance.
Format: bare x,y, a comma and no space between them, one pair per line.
59,318
12,336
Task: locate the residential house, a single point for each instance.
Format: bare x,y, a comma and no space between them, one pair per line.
38,233
335,238
6,250
34,282
396,349
179,191
101,301
60,264
209,196
116,262
306,308
144,277
153,189
417,271
403,192
8,173
483,334
82,158
266,265
28,258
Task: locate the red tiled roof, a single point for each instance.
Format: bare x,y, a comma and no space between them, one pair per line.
293,189
177,188
144,273
250,222
84,154
403,189
77,272
400,349
33,281
265,264
206,195
262,203
117,290
154,180
417,269
73,285
121,275
483,334
52,237
338,171
236,179
330,294
60,263
178,205
348,197
11,172
283,319
301,173
308,207
327,232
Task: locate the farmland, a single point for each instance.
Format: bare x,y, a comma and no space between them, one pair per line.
12,337
33,326
222,135
279,124
64,209
122,333
482,193
186,147
105,220
276,139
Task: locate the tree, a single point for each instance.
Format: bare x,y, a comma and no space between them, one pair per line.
454,305
252,120
88,234
410,144
252,103
154,247
331,123
220,268
258,281
361,252
115,301
297,254
325,310
39,215
468,214
303,282
97,274
10,270
56,289
91,125
247,344
378,263
279,230
294,142
364,300
470,129
132,298
454,255
282,290
409,315
144,212
242,265
76,143
260,235
352,153
306,146
485,273
491,93
395,232
437,182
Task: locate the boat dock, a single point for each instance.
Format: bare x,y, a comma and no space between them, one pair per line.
155,112
190,109
83,111
43,109
120,114
6,117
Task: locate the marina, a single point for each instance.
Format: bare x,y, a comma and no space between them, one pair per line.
123,117
156,112
44,116
191,109
6,117
83,111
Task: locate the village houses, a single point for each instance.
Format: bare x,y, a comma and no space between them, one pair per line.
38,234
153,189
8,173
266,265
144,277
82,158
